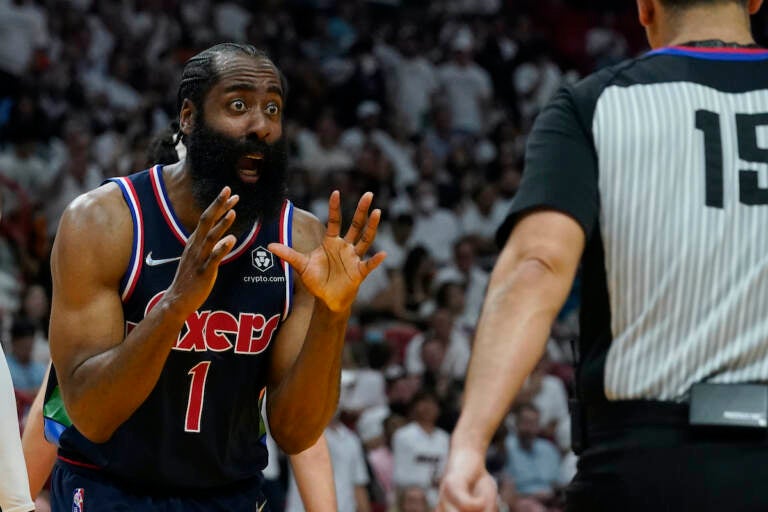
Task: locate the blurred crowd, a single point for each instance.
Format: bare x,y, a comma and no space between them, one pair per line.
427,104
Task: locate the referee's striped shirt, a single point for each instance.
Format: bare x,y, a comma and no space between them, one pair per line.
663,160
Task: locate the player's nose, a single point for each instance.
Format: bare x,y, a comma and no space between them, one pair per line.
259,125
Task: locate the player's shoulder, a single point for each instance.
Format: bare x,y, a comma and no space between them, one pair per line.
99,215
96,208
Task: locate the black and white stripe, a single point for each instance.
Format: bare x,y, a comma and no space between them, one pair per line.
687,282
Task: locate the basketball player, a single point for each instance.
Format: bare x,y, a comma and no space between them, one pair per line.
182,291
650,174
14,494
312,467
14,488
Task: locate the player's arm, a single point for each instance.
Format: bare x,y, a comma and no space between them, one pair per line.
313,472
14,488
305,361
39,454
103,374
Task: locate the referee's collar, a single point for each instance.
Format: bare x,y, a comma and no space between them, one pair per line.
737,53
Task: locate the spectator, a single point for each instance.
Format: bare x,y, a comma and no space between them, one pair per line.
436,228
26,373
547,393
415,81
320,151
533,462
76,173
455,347
377,440
23,29
468,86
368,131
35,308
421,448
466,271
412,498
394,238
350,473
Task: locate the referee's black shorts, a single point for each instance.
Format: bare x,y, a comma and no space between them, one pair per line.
639,466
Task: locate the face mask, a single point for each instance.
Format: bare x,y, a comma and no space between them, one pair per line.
428,203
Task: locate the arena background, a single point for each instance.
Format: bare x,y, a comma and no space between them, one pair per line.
428,104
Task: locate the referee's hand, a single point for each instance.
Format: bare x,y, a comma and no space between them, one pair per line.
466,485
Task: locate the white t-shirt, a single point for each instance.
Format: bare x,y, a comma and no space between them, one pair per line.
14,483
456,359
476,283
466,87
415,82
367,390
420,458
436,232
349,470
551,401
320,160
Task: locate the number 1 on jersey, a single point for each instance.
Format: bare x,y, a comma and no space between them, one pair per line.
750,192
199,374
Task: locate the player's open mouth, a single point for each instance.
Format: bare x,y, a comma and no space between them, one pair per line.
249,167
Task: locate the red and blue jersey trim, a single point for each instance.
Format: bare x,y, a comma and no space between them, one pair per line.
158,186
708,53
286,238
177,228
134,266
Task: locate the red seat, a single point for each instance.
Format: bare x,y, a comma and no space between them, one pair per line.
398,337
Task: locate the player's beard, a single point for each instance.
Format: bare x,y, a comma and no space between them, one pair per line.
213,161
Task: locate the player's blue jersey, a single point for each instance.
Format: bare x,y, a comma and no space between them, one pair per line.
201,425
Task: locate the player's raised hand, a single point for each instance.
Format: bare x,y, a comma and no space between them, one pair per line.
467,486
206,247
333,271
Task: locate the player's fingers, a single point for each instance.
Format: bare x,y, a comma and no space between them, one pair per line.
217,209
369,265
369,233
294,258
358,220
218,230
334,215
221,249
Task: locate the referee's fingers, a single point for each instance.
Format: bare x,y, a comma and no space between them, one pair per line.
456,496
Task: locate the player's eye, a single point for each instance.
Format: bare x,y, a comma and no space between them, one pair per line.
238,106
273,109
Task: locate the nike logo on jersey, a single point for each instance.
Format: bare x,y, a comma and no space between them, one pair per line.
153,262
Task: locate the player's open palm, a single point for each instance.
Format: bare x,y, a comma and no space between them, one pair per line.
333,271
206,247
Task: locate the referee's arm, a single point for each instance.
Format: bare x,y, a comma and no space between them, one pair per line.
554,211
528,286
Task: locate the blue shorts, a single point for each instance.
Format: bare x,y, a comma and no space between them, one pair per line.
79,489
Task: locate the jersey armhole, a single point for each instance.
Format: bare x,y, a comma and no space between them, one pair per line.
286,238
131,276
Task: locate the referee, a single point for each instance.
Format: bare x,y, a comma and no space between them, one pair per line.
653,175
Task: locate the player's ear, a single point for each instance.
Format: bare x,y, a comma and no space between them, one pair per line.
646,12
754,6
187,117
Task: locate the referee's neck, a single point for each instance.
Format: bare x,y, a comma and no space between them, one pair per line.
727,21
